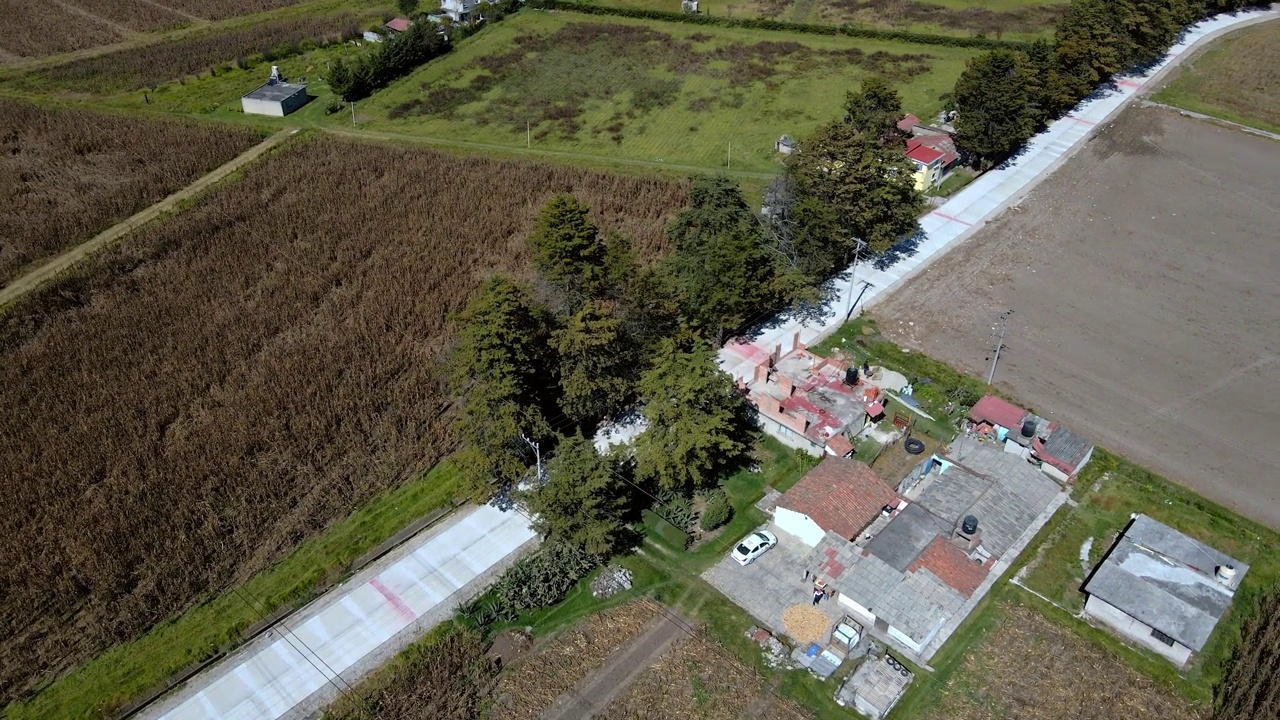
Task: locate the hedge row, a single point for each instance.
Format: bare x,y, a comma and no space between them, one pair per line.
776,25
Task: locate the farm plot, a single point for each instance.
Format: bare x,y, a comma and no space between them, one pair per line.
697,678
1142,275
1008,19
66,174
1033,669
1225,80
33,28
151,65
659,92
228,382
528,689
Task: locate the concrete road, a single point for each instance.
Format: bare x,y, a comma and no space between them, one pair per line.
306,661
947,226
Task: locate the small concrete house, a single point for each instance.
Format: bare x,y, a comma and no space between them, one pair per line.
275,98
785,145
459,10
840,495
1162,590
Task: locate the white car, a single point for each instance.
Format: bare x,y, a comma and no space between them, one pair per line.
753,546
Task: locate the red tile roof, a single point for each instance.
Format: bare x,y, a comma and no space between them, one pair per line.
992,409
920,153
840,495
840,445
398,24
907,122
943,144
951,565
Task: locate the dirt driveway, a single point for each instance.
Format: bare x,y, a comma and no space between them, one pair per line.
1144,276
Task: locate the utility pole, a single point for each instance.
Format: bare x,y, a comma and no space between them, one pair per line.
729,164
528,135
537,454
998,331
353,114
853,276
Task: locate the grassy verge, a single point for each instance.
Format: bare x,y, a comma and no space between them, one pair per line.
1123,489
1224,81
127,671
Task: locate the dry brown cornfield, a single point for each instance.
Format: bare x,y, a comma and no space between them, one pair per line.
66,174
150,65
697,678
33,28
231,380
529,688
1033,669
1251,688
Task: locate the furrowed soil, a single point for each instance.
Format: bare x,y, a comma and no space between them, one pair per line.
187,408
1143,276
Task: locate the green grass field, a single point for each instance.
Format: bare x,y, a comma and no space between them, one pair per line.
664,93
1228,79
1123,489
127,671
1005,19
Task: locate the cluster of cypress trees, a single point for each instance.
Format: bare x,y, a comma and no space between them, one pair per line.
1006,95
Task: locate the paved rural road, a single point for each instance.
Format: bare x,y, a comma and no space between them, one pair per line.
947,226
307,660
30,281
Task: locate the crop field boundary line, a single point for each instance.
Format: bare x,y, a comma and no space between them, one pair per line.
59,264
514,150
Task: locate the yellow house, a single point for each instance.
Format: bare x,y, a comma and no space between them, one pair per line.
928,164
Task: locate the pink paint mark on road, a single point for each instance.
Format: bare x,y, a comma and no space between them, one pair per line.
402,608
1129,84
952,218
1082,120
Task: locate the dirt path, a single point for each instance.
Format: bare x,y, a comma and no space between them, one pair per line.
127,33
620,670
34,279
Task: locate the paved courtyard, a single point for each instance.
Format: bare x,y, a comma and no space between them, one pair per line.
771,584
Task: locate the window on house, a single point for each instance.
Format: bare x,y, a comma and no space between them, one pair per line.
1162,637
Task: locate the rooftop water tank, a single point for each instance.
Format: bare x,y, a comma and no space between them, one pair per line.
970,524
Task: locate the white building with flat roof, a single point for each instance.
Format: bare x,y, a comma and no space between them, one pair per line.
274,98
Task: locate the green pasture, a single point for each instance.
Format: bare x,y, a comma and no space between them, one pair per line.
663,93
1006,19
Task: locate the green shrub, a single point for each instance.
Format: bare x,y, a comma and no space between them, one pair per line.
717,512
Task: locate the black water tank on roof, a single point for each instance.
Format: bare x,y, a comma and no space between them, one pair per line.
1028,428
970,524
851,376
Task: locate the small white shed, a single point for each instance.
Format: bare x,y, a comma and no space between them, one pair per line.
274,98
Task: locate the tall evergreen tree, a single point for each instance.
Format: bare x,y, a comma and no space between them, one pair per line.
568,249
868,186
723,271
697,422
995,113
583,502
499,371
596,368
876,108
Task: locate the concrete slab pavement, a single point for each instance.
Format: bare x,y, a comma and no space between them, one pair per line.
945,227
308,659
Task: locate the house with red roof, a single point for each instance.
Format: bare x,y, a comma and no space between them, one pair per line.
398,25
1061,452
840,496
928,164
